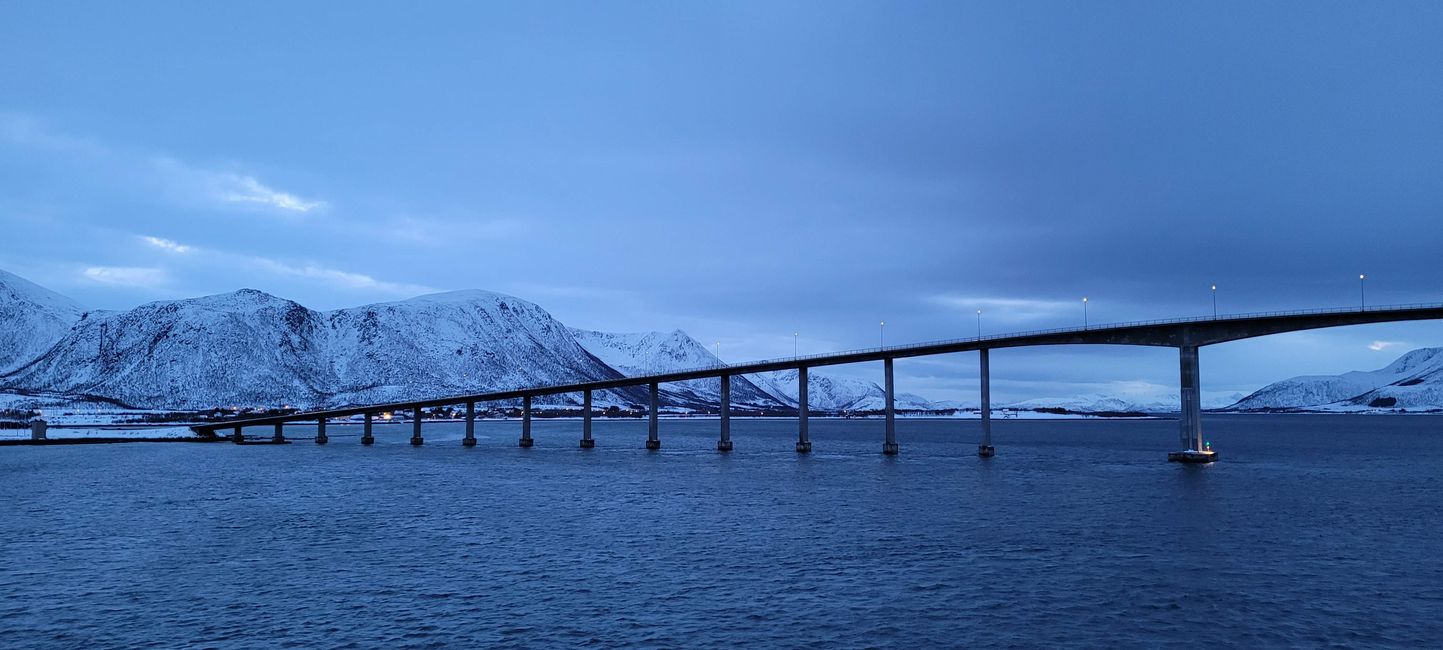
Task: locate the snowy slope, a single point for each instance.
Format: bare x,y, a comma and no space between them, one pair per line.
829,393
456,343
648,353
32,318
240,348
1096,404
1414,381
249,348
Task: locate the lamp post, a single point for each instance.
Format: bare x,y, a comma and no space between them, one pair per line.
1084,312
1215,301
882,334
979,323
794,345
1362,293
717,346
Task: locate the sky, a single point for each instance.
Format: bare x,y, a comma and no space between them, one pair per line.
747,171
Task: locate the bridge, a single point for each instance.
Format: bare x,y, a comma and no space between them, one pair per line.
1188,335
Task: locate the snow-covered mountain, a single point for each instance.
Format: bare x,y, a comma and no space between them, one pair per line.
655,352
831,393
1096,404
646,353
455,343
251,348
32,318
244,348
1414,382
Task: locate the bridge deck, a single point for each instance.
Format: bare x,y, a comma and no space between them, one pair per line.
1176,332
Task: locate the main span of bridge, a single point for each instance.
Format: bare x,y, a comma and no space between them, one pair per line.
1188,335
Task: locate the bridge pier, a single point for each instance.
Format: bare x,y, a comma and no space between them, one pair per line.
470,439
804,441
416,439
652,441
280,435
586,441
1195,450
526,440
985,449
725,442
366,437
236,437
890,446
321,438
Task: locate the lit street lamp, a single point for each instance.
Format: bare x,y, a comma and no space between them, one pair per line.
979,323
1215,301
882,335
1084,312
1362,294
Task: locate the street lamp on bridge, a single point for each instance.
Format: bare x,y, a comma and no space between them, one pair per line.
1362,294
1084,312
1215,301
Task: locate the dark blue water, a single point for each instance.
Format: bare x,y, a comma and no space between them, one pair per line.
1312,531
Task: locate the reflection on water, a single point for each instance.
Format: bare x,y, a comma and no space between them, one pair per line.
1310,531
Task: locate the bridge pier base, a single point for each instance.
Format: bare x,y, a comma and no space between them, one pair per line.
985,448
586,441
526,440
804,440
470,439
416,439
724,443
1195,449
236,436
366,437
890,447
321,438
653,442
280,435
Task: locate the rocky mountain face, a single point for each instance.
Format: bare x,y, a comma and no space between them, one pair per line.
32,318
249,348
456,343
1413,382
649,353
839,394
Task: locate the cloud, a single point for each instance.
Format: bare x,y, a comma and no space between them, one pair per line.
323,274
166,244
1379,346
128,276
338,278
1004,309
153,175
246,189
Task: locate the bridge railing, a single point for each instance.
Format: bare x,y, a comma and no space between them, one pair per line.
1010,335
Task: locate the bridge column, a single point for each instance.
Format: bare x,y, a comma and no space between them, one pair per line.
804,441
725,442
586,441
470,439
280,435
890,446
984,449
366,437
526,440
1190,413
236,436
652,441
416,438
321,438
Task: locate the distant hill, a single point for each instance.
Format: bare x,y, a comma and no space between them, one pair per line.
1413,382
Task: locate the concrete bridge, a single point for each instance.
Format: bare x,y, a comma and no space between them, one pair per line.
1185,334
